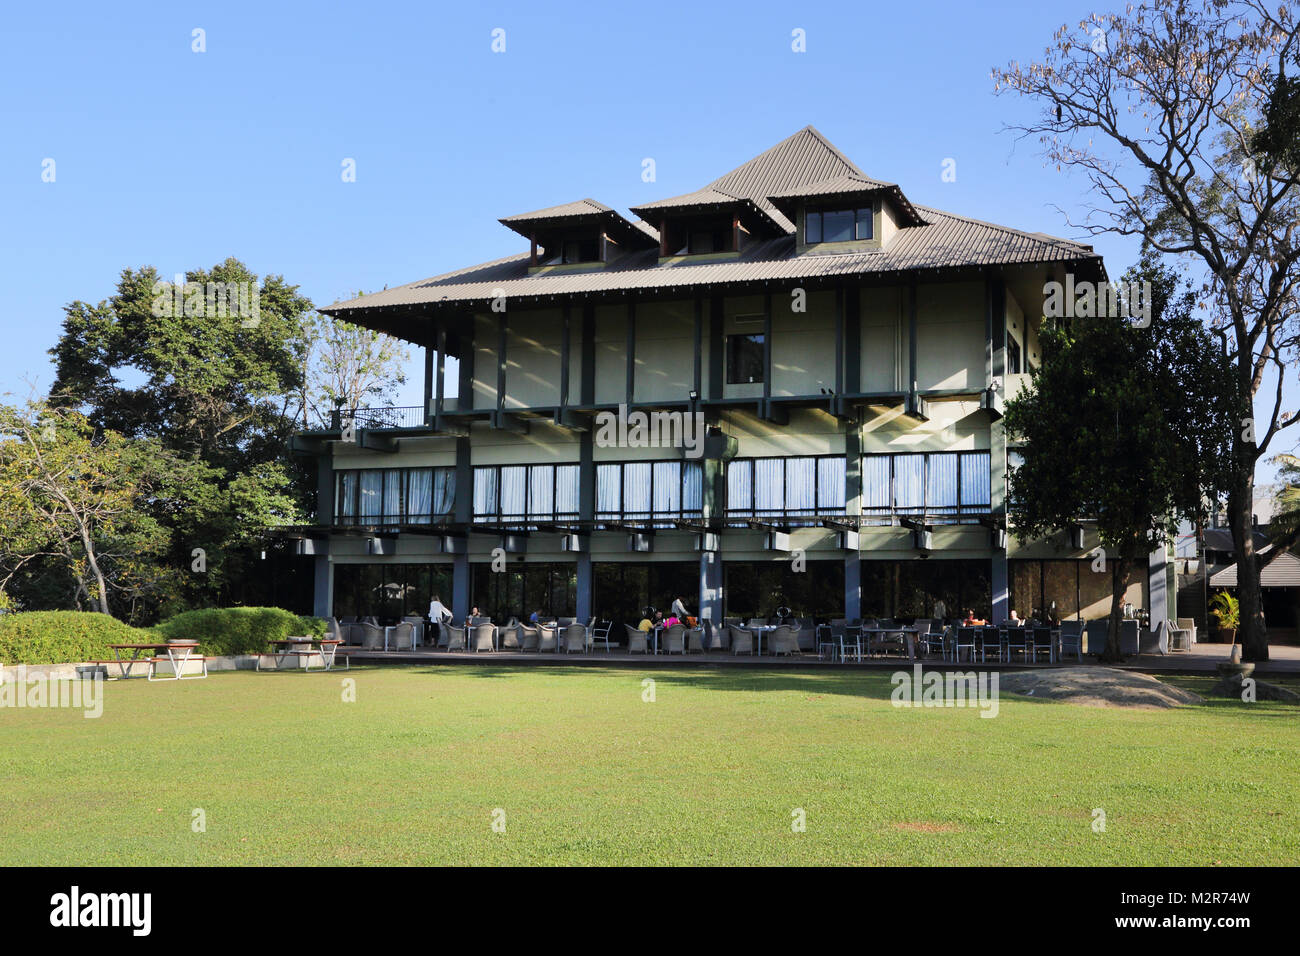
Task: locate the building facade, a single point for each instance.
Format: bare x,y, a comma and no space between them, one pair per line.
784,388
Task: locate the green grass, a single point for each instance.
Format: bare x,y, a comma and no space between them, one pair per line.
587,772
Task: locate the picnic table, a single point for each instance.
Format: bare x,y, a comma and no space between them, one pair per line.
307,648
177,653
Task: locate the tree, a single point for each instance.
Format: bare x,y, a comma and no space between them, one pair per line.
73,498
347,366
1110,433
206,369
1158,107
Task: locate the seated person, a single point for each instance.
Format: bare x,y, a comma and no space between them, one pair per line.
971,620
1014,620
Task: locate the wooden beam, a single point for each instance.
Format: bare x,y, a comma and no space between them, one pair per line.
631,352
564,356
767,345
698,379
501,362
440,376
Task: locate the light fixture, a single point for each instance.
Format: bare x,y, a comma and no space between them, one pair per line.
695,396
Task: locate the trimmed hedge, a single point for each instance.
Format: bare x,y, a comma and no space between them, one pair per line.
61,637
238,630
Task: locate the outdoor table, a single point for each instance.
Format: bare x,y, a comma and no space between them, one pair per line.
170,648
290,645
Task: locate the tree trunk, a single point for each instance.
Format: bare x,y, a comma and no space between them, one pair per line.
1253,630
1121,570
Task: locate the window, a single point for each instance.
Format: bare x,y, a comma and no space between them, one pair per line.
525,493
653,491
839,225
567,251
744,359
393,496
1013,356
785,487
940,483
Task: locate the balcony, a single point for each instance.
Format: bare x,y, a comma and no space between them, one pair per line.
410,416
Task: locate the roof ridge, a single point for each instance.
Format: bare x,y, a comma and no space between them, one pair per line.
1023,233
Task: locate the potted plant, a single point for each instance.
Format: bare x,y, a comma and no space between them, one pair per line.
1226,612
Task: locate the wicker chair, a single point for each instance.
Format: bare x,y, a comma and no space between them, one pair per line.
485,637
695,640
784,640
529,637
575,639
807,634
372,635
402,637
636,640
741,640
455,637
510,637
720,639
673,638
418,624
546,640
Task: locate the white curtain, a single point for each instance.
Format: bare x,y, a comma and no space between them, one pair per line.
419,495
393,494
514,491
769,486
609,489
485,493
692,487
444,491
830,484
636,488
668,488
566,490
541,491
875,483
800,485
346,506
941,484
975,479
372,493
909,482
740,487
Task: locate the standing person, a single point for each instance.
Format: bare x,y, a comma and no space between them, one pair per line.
679,610
439,616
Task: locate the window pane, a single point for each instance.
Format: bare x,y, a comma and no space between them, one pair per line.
485,493
941,486
740,487
813,228
372,482
692,487
830,484
837,226
668,487
865,222
541,497
419,495
875,483
636,488
769,490
609,487
566,490
514,490
744,359
392,495
444,491
800,484
346,505
909,482
975,480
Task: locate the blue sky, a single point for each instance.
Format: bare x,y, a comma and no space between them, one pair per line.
178,159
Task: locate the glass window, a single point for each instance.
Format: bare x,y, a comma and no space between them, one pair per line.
975,491
485,493
372,489
813,227
744,359
419,495
876,494
800,485
769,486
838,225
909,482
609,490
1013,356
347,497
941,484
866,222
692,487
740,486
667,487
636,488
830,484
566,490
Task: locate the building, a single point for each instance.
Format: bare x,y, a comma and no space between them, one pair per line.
846,352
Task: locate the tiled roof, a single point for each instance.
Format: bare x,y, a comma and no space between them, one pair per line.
804,161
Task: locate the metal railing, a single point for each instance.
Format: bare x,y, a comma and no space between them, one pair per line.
409,416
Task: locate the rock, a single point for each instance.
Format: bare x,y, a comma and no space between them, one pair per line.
1232,685
1097,687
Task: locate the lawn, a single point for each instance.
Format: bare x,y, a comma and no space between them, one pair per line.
586,771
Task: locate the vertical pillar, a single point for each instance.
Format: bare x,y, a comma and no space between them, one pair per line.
583,597
711,587
1158,590
463,509
995,328
853,508
323,579
429,352
440,377
998,585
460,572
323,594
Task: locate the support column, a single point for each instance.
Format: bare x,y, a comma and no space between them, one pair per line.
583,597
323,580
1158,590
853,508
711,587
998,585
586,597
463,509
460,587
323,595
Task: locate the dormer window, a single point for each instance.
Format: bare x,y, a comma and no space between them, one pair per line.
578,236
839,225
569,251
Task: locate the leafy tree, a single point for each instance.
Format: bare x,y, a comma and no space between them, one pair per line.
206,370
73,500
347,366
1159,108
1112,431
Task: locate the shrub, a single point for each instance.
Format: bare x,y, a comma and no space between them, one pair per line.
1226,611
62,637
238,630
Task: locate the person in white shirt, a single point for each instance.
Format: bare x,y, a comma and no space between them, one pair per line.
438,612
679,609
